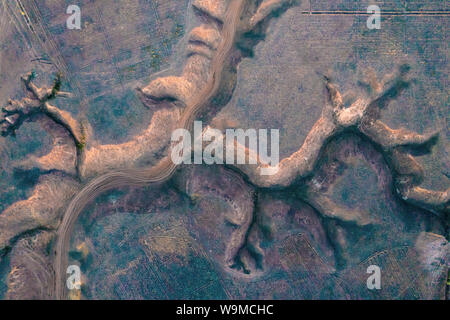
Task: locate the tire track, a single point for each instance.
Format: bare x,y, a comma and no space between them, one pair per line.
142,177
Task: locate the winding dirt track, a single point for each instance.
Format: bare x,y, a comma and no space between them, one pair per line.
142,177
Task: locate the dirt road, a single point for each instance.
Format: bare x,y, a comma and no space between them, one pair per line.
142,177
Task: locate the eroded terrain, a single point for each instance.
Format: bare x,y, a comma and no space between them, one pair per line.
364,180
